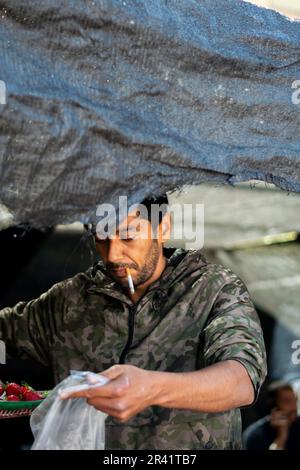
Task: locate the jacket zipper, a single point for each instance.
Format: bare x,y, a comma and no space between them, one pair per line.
131,319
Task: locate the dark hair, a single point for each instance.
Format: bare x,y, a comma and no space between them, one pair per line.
274,388
161,201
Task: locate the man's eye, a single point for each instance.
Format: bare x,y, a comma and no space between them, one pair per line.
130,238
100,240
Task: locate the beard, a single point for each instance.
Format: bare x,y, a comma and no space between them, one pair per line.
147,270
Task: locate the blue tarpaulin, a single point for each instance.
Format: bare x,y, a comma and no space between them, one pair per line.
109,97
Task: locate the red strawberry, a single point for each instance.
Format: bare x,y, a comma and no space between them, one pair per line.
23,390
12,398
13,389
29,395
2,388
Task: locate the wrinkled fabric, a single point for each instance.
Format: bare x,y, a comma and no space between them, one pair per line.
113,97
196,314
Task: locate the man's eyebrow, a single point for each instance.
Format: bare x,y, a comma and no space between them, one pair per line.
125,230
129,225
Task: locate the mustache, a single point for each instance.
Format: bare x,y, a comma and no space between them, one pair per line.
112,266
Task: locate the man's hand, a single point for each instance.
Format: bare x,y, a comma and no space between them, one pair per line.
129,391
217,388
280,422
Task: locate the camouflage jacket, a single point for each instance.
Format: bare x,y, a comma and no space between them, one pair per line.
196,314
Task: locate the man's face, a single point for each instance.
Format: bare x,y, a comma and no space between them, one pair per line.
287,403
132,246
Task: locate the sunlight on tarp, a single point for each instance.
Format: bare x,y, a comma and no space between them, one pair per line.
289,8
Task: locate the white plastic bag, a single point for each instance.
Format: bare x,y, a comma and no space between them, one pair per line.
69,424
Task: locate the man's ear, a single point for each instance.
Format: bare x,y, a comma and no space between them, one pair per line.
165,228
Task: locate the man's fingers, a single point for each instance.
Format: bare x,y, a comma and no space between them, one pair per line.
114,388
113,372
112,407
89,392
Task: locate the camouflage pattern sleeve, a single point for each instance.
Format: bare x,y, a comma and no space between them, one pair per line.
233,331
26,328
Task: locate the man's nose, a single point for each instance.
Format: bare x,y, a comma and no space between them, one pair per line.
115,252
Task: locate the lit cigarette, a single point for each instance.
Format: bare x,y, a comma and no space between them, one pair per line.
130,281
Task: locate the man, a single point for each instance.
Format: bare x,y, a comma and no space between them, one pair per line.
182,353
280,430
